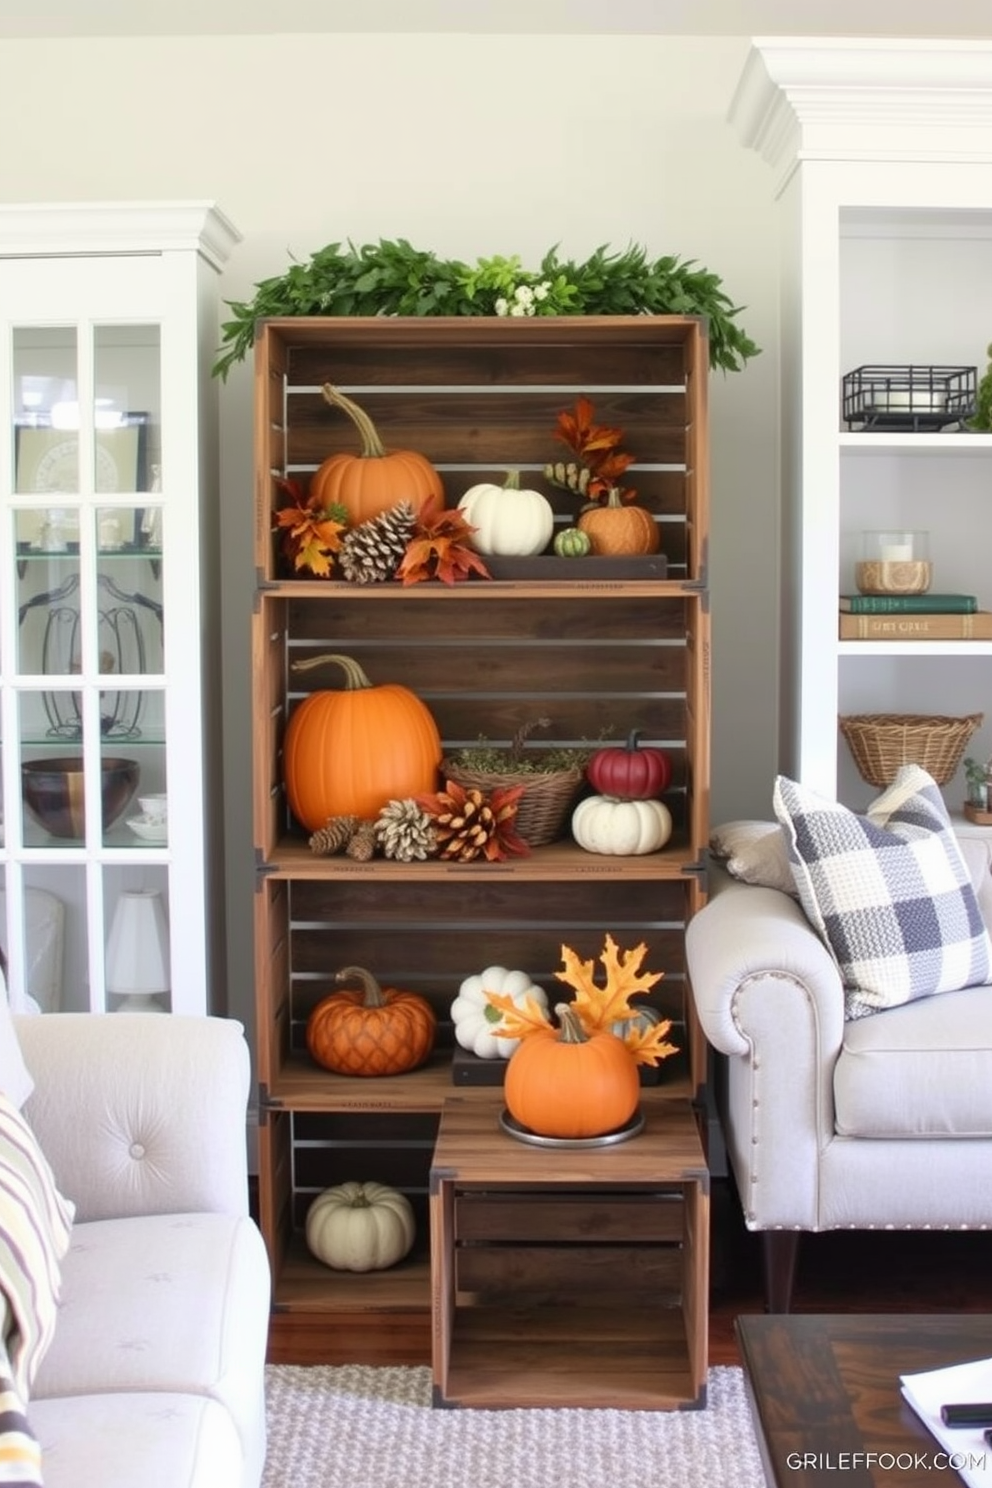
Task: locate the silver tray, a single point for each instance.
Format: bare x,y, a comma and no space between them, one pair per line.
514,1128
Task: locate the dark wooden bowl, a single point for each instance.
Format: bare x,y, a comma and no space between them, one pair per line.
53,792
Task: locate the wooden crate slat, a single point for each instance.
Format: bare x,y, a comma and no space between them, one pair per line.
500,428
561,1273
430,905
335,611
492,1217
356,365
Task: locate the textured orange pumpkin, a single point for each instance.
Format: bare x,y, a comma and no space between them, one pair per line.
375,480
572,1084
370,1030
614,528
348,753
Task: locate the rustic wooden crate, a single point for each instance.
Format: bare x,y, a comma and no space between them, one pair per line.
627,650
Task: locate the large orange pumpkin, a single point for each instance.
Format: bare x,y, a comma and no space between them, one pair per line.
347,753
614,528
568,1083
376,480
369,1030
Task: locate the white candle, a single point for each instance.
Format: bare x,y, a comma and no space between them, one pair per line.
897,552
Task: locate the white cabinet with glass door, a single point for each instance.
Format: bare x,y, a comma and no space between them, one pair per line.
109,626
884,154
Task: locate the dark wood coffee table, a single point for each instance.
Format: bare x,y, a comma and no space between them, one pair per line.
824,1388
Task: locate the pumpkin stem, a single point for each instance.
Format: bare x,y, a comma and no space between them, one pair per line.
512,482
572,1031
613,497
373,992
354,678
372,446
632,739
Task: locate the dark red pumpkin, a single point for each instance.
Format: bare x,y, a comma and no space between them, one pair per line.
629,772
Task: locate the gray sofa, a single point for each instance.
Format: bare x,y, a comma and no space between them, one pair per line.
155,1376
880,1123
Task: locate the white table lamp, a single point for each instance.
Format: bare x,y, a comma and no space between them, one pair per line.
138,952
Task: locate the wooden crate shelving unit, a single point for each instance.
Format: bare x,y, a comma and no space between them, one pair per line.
589,650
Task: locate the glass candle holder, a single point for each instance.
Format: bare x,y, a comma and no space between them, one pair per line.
894,562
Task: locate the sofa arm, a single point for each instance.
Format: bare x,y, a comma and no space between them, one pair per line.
770,997
138,1113
745,932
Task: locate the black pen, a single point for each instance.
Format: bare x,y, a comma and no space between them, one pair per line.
968,1413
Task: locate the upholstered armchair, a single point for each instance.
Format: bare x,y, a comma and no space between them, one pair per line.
876,1122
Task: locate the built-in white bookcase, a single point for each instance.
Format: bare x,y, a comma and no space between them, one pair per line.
883,154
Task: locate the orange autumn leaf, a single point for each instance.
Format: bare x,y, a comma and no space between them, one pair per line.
439,549
649,1044
311,532
518,1020
598,1007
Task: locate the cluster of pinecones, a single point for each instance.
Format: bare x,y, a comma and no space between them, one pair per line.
401,831
374,550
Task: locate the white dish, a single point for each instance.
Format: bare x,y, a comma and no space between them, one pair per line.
150,831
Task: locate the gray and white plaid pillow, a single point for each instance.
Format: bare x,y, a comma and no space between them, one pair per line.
888,892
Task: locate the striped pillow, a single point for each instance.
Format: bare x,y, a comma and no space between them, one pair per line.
35,1224
20,1454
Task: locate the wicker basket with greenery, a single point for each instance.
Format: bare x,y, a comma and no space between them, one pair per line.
551,778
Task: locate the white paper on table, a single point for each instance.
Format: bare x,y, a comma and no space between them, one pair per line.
959,1383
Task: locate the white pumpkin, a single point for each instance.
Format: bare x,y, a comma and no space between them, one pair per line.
360,1227
604,824
475,1018
509,522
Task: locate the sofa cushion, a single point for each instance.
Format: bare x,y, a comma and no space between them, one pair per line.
888,892
138,1440
924,1070
176,1302
755,852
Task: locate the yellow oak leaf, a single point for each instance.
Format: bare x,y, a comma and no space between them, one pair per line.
648,1045
600,1007
518,1020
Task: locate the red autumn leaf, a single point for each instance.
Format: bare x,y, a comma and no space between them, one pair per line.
439,549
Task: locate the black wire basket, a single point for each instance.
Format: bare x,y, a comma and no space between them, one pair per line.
913,398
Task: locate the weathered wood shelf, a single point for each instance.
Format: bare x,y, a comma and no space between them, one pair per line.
599,652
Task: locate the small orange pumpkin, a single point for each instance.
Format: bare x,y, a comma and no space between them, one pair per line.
376,480
347,753
568,1083
370,1030
615,528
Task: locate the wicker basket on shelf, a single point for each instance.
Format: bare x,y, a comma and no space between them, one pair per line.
881,743
548,794
544,805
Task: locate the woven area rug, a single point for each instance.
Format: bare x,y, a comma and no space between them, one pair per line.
361,1427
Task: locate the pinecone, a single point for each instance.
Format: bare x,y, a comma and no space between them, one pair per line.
373,550
464,824
335,834
568,476
362,844
404,831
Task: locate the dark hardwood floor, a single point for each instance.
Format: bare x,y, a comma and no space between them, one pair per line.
846,1271
842,1271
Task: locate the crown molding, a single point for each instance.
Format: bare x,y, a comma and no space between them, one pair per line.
865,98
67,228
